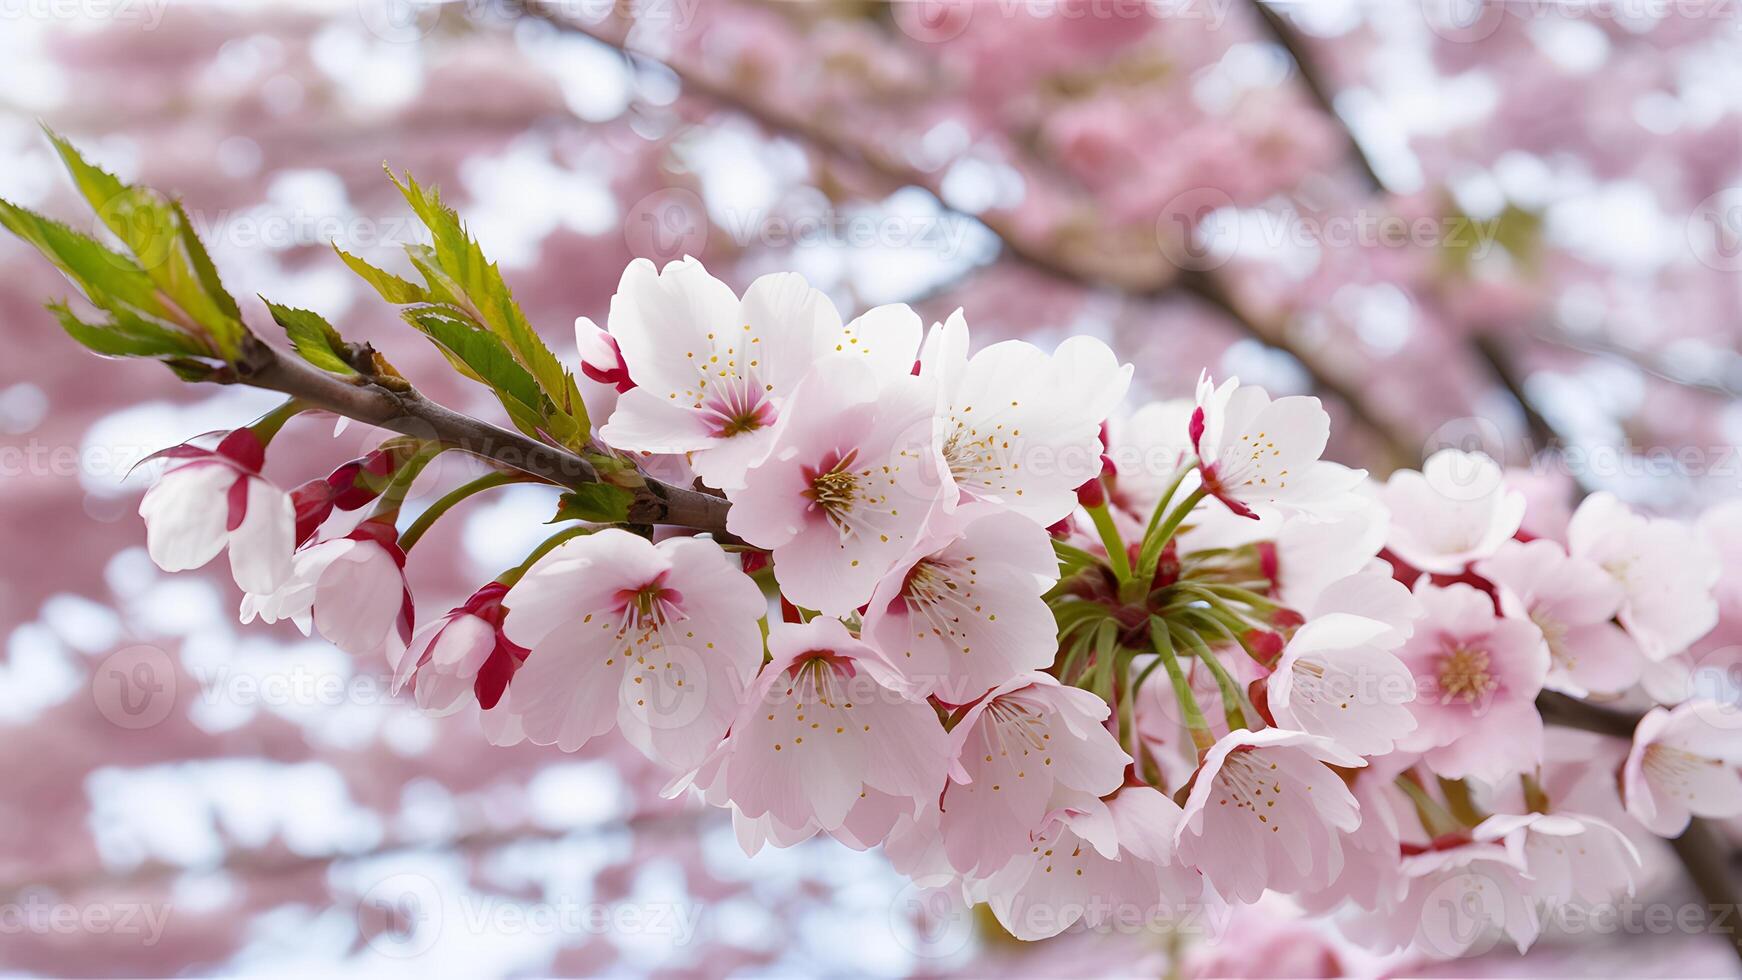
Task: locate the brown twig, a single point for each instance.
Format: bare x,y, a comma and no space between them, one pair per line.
1571,712
1283,33
262,366
1493,353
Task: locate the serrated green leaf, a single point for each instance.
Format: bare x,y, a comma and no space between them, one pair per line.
126,335
393,289
481,356
106,277
312,337
459,275
203,267
161,238
599,503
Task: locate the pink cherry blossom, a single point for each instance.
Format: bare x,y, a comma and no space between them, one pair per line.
658,641
1370,877
849,483
1477,676
1028,740
1456,897
1667,572
464,652
711,371
1684,763
1017,427
1571,858
1265,811
1257,454
1371,593
1339,678
210,499
1573,602
1456,510
825,725
350,589
1099,863
963,613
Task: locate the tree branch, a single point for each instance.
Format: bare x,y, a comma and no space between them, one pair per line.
1281,32
411,413
1570,712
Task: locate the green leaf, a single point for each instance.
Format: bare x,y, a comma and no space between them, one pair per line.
312,337
459,275
599,503
393,289
479,355
126,335
106,277
160,236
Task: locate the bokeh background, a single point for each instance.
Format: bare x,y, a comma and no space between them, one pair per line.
1506,226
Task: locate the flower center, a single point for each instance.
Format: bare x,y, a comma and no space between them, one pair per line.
651,606
1554,633
1464,674
1672,766
737,410
836,489
1250,782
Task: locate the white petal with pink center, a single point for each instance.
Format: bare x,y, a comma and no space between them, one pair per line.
1017,427
351,589
1667,572
198,508
1573,602
1259,455
1097,862
826,723
1684,763
1027,741
1571,858
963,613
1338,678
848,485
657,640
445,657
712,371
1477,676
1265,811
1456,510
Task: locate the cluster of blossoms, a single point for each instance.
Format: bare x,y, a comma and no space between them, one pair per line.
1079,662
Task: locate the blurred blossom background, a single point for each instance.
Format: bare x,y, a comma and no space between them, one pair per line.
1504,226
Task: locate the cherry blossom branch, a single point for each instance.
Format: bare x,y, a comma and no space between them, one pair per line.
1493,353
409,412
1706,855
1571,712
1284,35
1139,274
